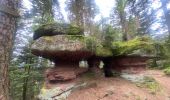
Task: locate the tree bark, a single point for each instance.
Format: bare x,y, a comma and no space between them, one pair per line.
7,28
124,25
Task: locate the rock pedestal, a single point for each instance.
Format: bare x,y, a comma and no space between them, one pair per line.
65,51
64,71
132,64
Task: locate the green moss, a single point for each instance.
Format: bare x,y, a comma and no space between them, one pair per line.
151,84
128,47
103,51
97,47
75,37
54,28
73,30
48,38
91,43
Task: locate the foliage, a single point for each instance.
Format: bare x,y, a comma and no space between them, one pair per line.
138,43
91,43
143,15
46,10
97,47
111,34
132,28
162,50
120,11
121,4
82,13
167,70
103,51
17,76
26,75
149,83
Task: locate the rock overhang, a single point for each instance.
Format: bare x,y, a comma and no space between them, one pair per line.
62,47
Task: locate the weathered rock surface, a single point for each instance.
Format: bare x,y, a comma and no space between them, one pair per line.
56,93
130,62
56,29
61,47
63,91
58,74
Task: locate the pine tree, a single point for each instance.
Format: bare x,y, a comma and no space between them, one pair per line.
8,18
82,13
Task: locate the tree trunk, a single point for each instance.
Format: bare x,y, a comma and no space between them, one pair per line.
8,16
166,13
25,85
124,25
107,67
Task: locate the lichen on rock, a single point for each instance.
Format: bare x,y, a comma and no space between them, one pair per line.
52,29
61,46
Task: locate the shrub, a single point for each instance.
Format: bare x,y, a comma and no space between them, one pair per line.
149,83
167,70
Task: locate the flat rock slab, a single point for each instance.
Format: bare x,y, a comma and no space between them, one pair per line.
61,47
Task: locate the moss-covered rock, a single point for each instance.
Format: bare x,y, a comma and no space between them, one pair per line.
138,44
64,47
103,51
52,29
96,46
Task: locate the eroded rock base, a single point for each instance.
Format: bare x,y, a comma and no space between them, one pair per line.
64,71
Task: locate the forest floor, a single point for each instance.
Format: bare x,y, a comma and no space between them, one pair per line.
144,85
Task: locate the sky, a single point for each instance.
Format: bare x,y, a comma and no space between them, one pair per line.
104,5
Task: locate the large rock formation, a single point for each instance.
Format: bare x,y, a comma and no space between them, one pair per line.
66,51
61,44
61,47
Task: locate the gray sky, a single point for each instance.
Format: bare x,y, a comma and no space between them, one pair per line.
105,7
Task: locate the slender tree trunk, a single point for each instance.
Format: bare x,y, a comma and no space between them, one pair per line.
166,13
25,85
124,25
8,16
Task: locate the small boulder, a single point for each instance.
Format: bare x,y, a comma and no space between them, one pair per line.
57,29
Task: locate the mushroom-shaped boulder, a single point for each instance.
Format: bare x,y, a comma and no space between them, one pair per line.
66,51
62,48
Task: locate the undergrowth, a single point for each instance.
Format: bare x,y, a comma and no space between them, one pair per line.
167,71
151,84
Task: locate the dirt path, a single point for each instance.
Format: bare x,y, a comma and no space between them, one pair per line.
121,89
162,79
